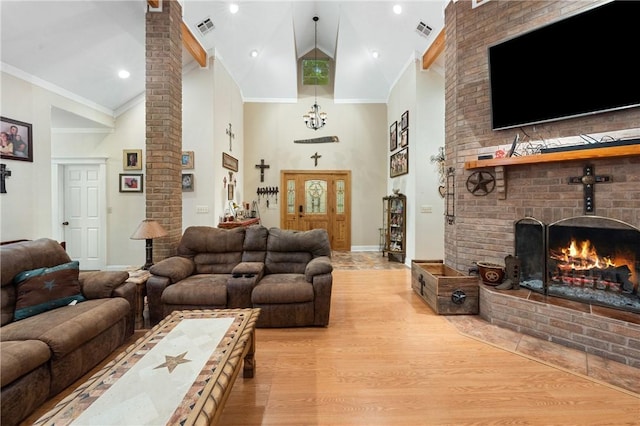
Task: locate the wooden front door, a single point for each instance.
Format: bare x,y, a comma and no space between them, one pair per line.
318,200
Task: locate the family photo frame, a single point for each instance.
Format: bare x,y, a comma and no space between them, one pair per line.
132,159
187,182
399,163
393,136
187,159
131,182
16,140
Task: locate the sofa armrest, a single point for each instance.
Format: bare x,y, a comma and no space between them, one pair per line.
155,286
101,284
248,268
318,266
175,268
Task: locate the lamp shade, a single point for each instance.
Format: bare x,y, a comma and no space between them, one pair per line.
148,229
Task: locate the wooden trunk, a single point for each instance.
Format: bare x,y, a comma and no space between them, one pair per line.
446,291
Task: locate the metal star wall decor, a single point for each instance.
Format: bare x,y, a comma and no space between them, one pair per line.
481,183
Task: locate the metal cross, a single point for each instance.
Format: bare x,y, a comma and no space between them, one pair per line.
4,173
315,158
589,179
231,136
262,166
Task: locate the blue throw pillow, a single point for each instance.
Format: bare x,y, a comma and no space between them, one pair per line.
43,289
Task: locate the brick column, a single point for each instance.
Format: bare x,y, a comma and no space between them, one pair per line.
163,187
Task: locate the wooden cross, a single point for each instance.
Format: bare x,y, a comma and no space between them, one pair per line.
315,157
231,136
589,179
4,173
262,166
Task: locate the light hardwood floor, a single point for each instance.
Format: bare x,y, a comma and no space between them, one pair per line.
387,359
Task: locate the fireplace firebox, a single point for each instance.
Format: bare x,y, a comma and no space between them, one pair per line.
590,259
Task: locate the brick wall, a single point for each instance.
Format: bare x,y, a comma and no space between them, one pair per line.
483,228
163,189
606,337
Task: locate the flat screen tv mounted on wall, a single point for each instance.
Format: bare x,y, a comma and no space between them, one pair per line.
580,65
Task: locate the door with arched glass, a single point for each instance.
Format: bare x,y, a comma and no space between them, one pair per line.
318,200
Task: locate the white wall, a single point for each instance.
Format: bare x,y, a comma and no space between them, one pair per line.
211,100
422,94
270,130
26,208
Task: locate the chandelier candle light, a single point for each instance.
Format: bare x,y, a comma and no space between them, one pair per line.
315,119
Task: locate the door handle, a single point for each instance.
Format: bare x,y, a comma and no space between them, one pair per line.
65,223
300,210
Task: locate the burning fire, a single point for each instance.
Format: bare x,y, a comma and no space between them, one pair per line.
582,255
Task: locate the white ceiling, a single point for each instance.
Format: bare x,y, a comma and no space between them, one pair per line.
79,46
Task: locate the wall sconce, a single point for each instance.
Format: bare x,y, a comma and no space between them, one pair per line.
148,230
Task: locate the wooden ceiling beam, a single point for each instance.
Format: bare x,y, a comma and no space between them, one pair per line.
433,51
193,46
189,41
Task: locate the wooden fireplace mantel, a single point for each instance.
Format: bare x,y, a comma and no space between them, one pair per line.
500,164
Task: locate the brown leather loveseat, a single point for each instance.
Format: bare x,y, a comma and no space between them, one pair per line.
288,274
57,322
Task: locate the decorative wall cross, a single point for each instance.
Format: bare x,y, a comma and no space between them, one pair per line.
231,136
4,173
262,166
589,179
315,158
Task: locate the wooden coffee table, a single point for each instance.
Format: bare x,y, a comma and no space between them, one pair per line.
180,372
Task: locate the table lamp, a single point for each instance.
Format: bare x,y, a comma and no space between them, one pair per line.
148,230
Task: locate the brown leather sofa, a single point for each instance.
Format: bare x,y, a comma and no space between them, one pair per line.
288,274
42,354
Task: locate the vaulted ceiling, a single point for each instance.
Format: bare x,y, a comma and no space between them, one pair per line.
79,46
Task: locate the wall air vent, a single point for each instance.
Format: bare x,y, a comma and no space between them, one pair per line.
205,26
423,29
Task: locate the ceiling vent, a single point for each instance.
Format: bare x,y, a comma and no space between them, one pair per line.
205,26
423,29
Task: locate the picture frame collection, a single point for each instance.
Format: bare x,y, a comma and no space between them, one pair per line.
399,146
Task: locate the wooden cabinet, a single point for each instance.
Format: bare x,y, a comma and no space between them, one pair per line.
394,217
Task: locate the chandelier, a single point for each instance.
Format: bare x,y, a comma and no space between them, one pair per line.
315,119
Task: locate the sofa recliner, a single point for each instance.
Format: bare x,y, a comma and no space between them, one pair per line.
43,354
288,274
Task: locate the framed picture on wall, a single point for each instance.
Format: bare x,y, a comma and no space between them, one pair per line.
393,136
131,182
230,194
228,162
404,138
187,182
404,120
187,159
400,163
132,159
16,140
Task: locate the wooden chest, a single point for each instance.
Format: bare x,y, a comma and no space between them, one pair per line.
446,291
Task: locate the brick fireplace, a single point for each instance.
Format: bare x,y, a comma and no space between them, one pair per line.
483,226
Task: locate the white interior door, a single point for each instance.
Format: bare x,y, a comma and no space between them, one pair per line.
83,215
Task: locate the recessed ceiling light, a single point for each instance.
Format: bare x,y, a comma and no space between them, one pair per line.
233,8
375,54
253,53
397,9
124,74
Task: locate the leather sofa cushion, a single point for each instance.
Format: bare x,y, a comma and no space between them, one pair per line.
290,251
98,284
20,358
255,244
282,288
199,290
67,328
